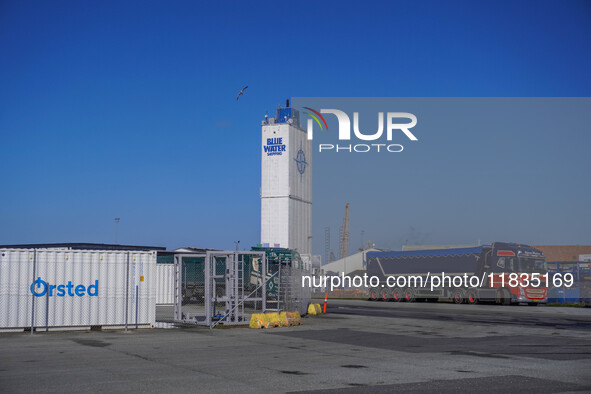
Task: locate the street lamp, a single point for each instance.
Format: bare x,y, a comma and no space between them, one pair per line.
116,229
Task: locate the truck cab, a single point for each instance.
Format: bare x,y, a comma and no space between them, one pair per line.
514,273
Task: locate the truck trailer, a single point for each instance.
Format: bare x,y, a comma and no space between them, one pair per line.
506,273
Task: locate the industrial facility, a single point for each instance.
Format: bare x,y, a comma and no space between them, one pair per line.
286,183
92,285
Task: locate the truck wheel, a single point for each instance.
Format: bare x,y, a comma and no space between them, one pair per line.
471,297
373,294
384,295
397,295
503,297
458,296
409,295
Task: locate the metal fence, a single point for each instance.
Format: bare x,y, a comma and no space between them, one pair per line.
42,289
292,295
223,287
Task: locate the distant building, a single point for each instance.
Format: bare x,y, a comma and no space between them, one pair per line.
564,252
190,249
348,264
316,261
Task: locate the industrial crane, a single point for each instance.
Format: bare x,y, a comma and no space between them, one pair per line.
345,234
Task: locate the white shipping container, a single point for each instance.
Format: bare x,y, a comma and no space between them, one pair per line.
164,284
76,288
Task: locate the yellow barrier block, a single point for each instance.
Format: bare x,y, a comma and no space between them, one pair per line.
272,319
257,320
293,318
318,309
283,322
312,310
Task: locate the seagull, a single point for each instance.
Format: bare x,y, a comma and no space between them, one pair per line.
241,93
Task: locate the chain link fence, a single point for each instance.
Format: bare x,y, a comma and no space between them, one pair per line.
219,286
295,297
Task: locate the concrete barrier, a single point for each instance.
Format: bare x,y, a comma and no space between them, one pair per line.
294,318
257,320
318,309
274,319
290,319
314,309
283,322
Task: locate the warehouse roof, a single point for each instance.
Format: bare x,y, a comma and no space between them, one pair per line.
190,249
83,246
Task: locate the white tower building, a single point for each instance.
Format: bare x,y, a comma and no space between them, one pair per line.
286,183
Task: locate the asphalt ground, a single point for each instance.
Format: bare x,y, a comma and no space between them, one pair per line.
359,346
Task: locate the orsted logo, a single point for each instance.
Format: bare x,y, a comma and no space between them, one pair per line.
41,288
345,130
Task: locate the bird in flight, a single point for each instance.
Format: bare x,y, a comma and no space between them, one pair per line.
241,92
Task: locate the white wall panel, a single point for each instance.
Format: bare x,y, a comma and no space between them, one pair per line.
164,284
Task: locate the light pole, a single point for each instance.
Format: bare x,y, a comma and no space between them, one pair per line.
362,245
116,229
237,243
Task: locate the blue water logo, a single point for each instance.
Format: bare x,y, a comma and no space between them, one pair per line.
274,147
300,159
40,288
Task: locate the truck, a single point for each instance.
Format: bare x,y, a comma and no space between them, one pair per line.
418,275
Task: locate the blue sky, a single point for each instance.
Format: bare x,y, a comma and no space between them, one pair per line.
488,169
128,109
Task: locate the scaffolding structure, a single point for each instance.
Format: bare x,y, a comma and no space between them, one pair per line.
232,287
227,287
